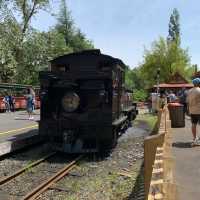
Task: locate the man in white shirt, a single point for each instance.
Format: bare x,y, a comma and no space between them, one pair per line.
193,100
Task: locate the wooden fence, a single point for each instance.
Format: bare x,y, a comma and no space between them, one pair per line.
158,162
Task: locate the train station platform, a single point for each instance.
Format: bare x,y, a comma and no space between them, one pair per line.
187,162
17,131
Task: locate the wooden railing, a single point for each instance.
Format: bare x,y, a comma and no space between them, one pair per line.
158,162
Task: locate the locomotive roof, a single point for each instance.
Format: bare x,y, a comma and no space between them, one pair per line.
93,52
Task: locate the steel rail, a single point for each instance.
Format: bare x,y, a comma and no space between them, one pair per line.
45,185
17,173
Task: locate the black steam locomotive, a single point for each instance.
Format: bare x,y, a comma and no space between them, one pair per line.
84,105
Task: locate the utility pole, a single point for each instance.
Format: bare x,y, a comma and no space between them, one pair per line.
158,80
157,92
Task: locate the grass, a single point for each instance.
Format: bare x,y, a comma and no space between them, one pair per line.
106,184
151,120
148,118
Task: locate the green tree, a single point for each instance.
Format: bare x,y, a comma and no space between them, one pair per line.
133,78
174,27
73,36
25,51
166,55
65,23
27,10
9,40
135,82
38,49
13,35
170,58
79,41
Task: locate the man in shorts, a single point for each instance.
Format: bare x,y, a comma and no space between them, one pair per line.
193,100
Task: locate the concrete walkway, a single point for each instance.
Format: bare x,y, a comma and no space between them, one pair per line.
16,125
16,131
187,163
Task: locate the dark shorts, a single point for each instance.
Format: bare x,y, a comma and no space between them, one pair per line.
195,118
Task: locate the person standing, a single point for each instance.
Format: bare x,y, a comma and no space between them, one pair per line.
6,103
193,100
33,100
163,100
149,103
182,98
29,104
172,97
11,102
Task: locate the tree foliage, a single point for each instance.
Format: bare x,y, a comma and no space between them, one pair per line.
169,57
73,36
65,23
174,27
27,9
166,54
25,51
135,82
133,78
139,95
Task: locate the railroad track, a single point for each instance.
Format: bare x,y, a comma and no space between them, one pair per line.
17,173
46,184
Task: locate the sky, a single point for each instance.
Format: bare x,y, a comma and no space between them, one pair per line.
123,28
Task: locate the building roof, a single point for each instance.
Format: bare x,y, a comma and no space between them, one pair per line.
174,85
177,78
176,81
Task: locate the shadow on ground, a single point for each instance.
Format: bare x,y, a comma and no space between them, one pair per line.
182,145
138,189
24,147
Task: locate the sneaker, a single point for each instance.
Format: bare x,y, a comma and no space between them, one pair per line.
196,142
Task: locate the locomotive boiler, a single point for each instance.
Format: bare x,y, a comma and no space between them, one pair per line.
84,104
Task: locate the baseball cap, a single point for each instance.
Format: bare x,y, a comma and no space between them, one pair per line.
196,81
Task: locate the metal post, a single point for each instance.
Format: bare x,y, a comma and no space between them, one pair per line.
158,78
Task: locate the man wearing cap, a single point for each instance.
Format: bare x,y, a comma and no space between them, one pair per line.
193,100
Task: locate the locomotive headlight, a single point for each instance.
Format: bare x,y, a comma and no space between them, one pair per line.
70,101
